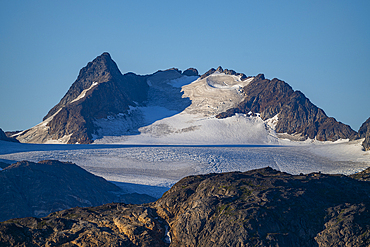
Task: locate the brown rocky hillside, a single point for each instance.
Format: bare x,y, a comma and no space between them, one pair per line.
261,207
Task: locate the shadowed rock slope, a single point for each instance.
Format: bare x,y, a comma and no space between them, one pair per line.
261,207
99,91
113,94
37,189
296,114
4,137
364,132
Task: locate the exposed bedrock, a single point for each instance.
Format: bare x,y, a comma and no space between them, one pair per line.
296,114
262,207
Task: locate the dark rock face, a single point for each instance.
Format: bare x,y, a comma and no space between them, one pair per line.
226,71
102,69
112,94
364,132
37,189
261,207
191,72
297,115
4,137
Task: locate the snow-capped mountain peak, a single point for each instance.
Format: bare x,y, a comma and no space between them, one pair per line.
171,106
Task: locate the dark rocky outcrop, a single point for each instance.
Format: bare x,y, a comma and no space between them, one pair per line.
191,72
226,71
297,115
37,189
107,225
364,132
261,207
4,137
363,176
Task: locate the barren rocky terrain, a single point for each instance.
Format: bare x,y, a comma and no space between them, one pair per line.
262,207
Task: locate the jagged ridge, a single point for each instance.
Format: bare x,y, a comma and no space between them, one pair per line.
296,114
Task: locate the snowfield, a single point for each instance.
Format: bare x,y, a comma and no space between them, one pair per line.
153,169
175,134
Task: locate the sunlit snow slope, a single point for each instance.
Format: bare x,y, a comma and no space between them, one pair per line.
165,120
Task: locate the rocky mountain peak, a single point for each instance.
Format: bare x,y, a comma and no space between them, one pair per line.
209,72
295,112
100,66
191,72
101,69
220,69
259,77
99,91
225,71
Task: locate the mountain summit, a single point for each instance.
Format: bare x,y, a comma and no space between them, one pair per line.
100,90
175,107
295,113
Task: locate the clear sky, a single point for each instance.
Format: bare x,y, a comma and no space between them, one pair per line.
319,47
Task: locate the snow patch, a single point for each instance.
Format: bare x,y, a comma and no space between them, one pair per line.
62,140
83,93
272,122
189,129
214,94
167,236
38,133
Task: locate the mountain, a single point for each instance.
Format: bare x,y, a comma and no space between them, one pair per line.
175,107
295,113
4,137
262,207
37,189
100,91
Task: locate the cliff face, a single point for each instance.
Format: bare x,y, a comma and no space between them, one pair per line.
296,114
261,207
364,132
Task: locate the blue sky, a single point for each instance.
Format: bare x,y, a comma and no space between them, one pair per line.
319,47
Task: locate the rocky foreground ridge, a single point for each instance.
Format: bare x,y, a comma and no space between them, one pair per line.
37,189
262,207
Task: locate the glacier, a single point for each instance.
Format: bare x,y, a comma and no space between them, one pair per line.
176,134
